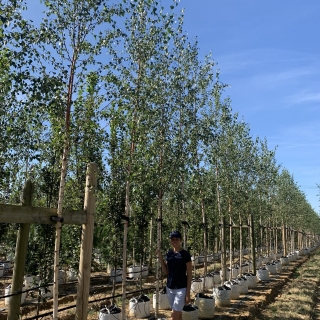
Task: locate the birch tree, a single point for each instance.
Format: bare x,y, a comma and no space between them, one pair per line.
72,36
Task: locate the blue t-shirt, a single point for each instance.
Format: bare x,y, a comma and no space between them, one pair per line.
177,269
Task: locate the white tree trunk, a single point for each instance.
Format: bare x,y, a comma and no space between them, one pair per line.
58,231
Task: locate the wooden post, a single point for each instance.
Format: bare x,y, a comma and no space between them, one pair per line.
241,243
86,243
292,240
205,241
223,250
267,238
247,239
276,237
20,257
253,244
150,245
230,249
261,237
300,240
274,231
158,274
215,234
284,240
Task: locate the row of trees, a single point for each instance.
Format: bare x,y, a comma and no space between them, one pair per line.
122,85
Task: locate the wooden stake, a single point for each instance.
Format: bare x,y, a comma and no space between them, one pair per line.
159,237
253,244
241,243
223,250
150,245
16,214
261,236
276,240
230,250
20,257
86,244
284,240
205,249
267,238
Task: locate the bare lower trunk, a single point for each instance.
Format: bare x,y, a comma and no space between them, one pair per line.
150,245
230,249
205,249
124,256
58,232
241,244
159,237
64,167
284,240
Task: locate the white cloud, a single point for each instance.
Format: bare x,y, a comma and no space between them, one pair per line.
303,145
303,130
264,59
270,80
303,97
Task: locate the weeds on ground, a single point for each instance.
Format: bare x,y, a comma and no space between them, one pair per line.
297,299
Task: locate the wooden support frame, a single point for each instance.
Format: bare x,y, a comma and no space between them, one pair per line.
20,256
26,215
241,226
86,244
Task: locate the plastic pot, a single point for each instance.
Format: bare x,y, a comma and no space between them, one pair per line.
206,305
7,291
190,312
196,285
140,307
272,268
263,274
110,313
222,296
163,302
235,294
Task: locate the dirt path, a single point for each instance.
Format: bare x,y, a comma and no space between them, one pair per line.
299,299
317,307
249,306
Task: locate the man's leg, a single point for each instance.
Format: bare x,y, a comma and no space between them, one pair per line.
176,315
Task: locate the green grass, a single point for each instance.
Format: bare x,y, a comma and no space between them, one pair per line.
297,300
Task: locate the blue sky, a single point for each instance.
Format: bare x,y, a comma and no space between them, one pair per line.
268,51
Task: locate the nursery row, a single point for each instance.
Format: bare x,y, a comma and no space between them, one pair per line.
223,293
167,144
152,115
217,291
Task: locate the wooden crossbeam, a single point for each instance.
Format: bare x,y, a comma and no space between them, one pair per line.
243,227
18,214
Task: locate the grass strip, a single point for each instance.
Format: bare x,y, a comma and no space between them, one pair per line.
299,297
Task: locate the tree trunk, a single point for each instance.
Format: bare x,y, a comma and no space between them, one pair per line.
253,243
150,244
159,237
20,257
241,244
223,250
230,249
64,167
284,240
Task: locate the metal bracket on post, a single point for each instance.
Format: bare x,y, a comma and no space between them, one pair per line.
56,219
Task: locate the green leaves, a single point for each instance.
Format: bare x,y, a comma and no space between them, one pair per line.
143,105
